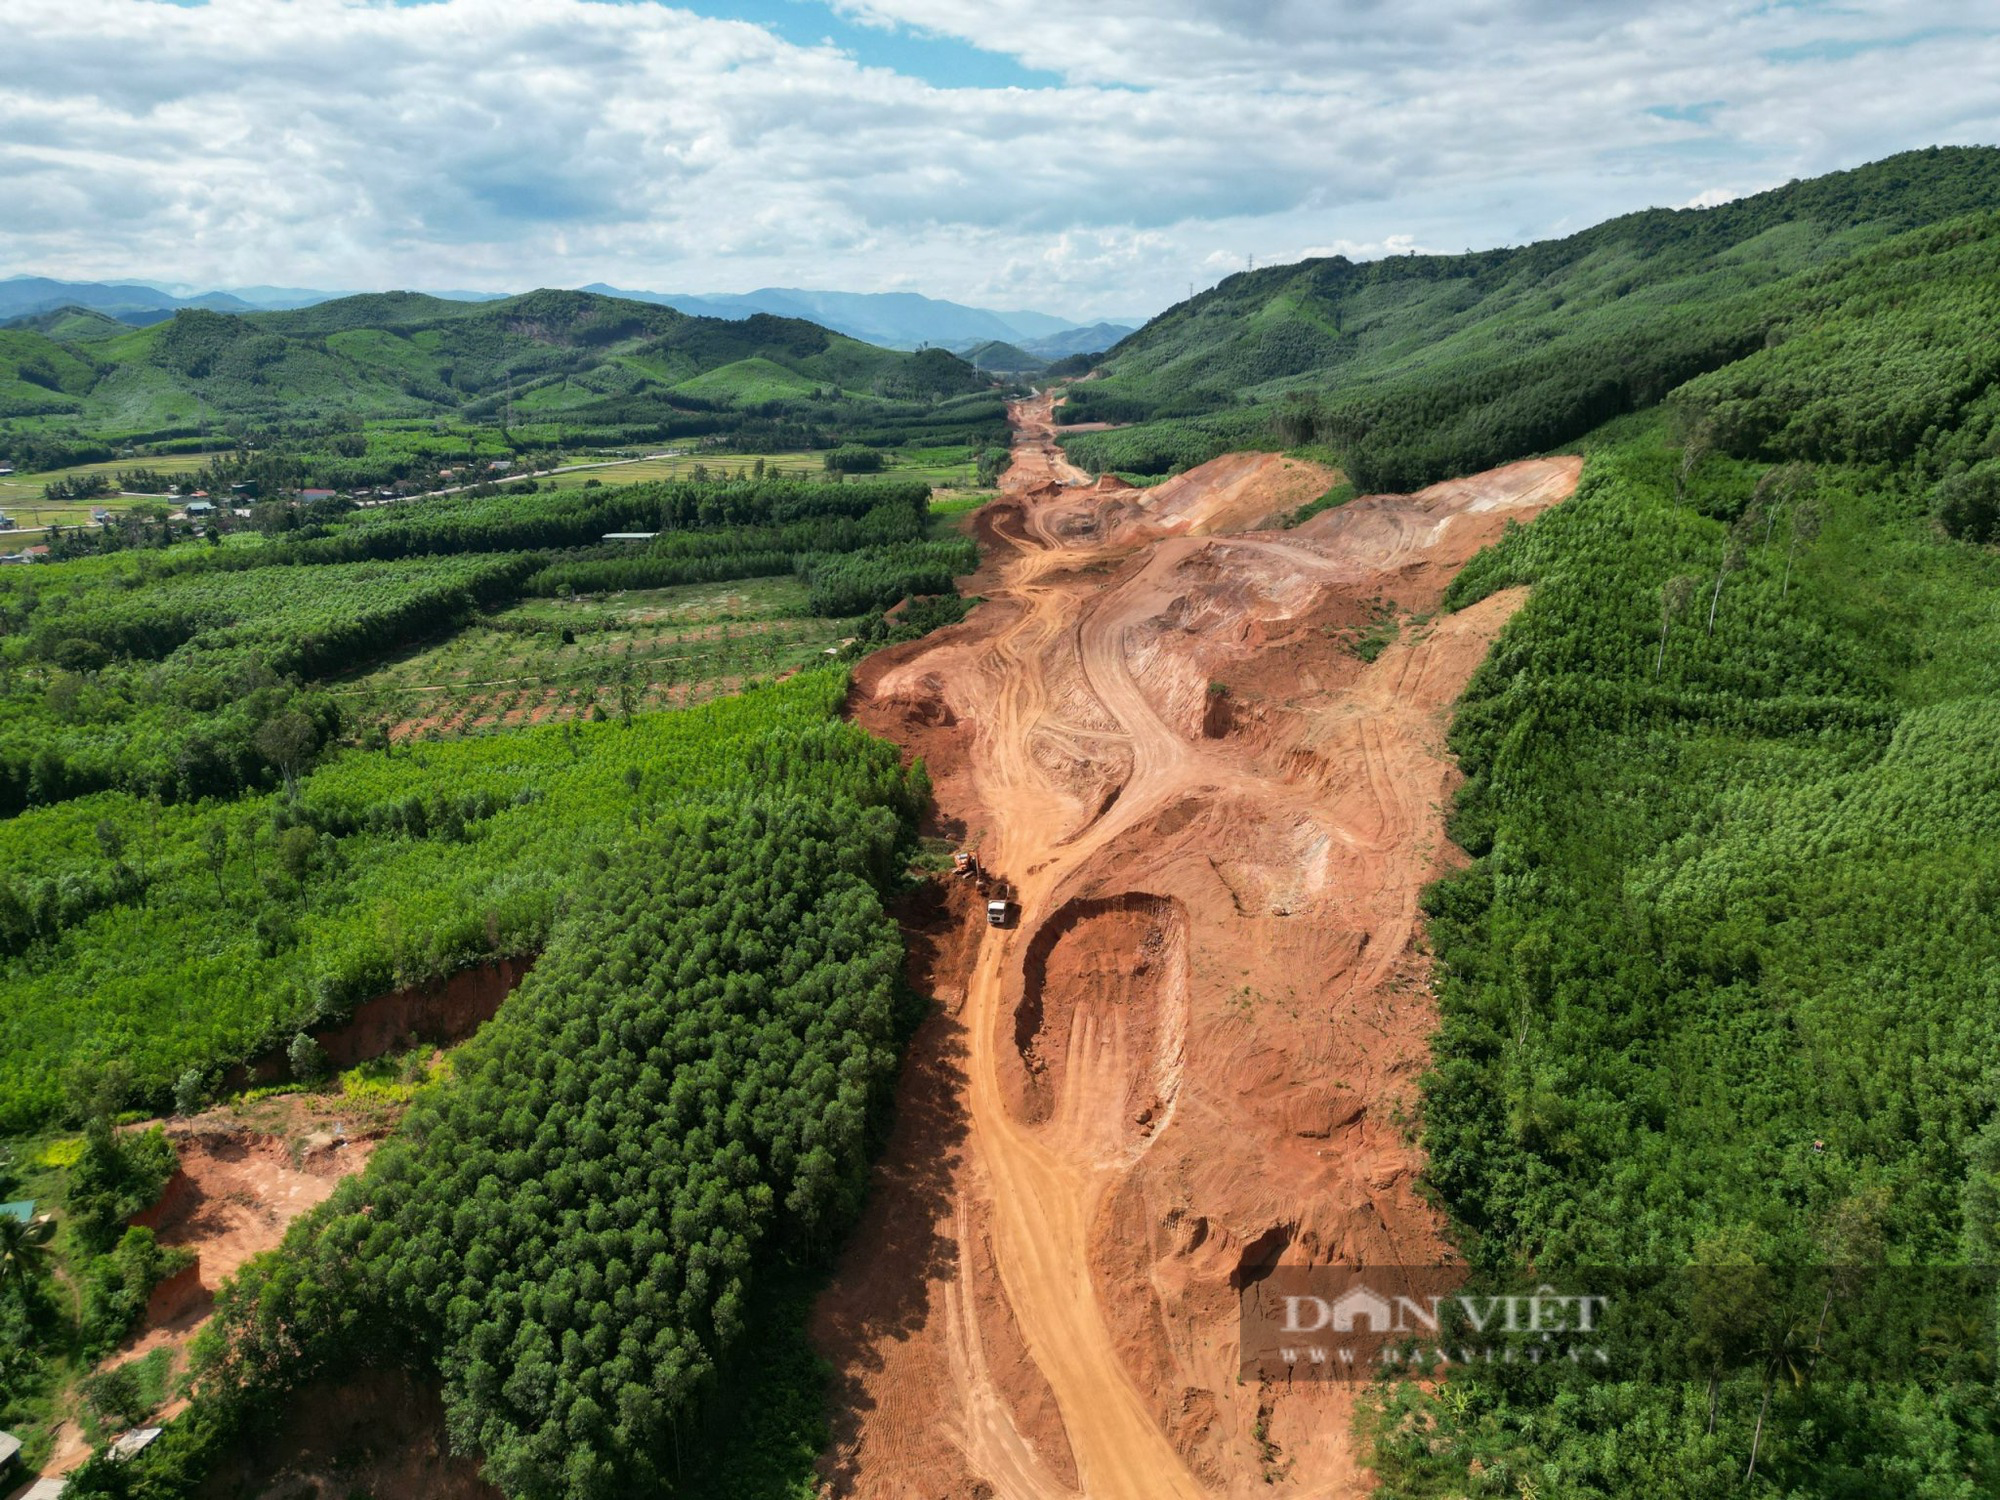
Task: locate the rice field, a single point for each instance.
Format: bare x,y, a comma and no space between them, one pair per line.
597,658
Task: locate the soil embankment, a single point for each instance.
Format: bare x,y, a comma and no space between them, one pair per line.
247,1171
442,1012
1212,761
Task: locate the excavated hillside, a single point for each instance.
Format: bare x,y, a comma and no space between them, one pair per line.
1211,762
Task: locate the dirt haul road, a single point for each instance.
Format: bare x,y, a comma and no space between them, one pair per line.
1187,1061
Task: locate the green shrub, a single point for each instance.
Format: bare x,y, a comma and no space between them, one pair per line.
117,1175
191,1091
1967,503
127,1394
306,1058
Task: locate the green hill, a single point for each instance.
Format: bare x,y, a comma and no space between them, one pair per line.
370,310
1416,367
1005,359
754,379
1715,988
404,358
72,325
38,375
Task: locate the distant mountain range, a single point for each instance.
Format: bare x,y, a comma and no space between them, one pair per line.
895,320
143,303
129,302
891,320
997,358
1092,338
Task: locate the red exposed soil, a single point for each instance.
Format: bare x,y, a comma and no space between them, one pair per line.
246,1173
410,729
440,1011
1187,1060
178,1295
1232,494
245,1184
244,1176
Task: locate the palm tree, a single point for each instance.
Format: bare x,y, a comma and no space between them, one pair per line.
22,1242
1786,1354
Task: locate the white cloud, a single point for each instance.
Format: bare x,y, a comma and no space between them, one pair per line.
1713,197
508,143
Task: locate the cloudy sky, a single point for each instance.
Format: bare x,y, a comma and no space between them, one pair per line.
1084,157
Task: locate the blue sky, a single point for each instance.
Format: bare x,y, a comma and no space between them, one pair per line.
1088,159
942,61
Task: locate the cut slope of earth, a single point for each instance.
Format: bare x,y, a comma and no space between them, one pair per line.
245,1174
1188,1062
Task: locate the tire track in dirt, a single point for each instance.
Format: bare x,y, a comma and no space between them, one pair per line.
1187,1061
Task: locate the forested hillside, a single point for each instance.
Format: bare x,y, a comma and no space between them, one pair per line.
362,389
203,836
1719,988
1417,367
214,845
1720,985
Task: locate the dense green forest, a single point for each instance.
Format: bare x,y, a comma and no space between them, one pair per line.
207,853
570,1234
393,387
164,938
1418,367
208,858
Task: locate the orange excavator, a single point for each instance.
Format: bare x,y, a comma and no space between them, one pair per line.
999,893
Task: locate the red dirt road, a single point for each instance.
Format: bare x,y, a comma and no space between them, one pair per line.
1186,1061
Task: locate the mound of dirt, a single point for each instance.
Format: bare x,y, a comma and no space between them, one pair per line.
1232,493
1212,763
243,1178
